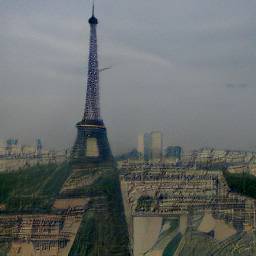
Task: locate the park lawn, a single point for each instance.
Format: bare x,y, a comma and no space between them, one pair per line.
32,189
172,246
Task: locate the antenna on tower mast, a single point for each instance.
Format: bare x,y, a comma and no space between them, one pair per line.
92,4
92,8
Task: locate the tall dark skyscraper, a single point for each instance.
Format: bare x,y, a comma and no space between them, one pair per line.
91,145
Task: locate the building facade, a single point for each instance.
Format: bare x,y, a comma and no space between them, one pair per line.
156,146
150,146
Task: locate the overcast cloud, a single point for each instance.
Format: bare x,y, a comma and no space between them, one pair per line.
186,68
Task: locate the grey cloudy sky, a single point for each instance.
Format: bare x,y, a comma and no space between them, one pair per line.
185,67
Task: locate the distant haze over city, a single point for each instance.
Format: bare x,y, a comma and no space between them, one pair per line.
186,68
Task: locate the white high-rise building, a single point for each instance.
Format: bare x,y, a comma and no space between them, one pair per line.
140,146
156,145
150,146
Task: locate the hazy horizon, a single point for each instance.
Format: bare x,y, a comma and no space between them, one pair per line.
185,68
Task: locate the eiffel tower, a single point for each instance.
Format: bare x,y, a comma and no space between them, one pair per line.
91,145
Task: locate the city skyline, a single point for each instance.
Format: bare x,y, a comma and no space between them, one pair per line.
156,73
192,71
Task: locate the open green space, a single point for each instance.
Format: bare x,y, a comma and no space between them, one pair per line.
4,248
32,189
174,224
103,230
172,246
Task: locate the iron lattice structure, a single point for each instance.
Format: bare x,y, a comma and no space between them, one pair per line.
91,145
92,101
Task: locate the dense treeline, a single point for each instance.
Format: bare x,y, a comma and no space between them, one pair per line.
243,183
144,203
32,189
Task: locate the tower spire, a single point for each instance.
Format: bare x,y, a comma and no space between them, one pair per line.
93,9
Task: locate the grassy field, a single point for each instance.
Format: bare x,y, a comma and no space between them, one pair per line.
103,230
172,246
32,189
4,248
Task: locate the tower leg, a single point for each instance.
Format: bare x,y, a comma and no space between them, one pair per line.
91,145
